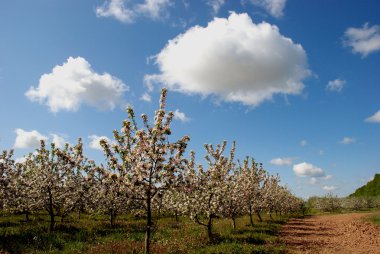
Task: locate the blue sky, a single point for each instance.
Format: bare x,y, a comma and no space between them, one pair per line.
295,83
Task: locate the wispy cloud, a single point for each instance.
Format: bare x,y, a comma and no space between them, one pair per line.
329,188
375,118
285,161
364,40
118,9
146,97
215,5
336,85
181,116
347,140
273,7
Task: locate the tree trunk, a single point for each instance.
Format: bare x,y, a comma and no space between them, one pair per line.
62,217
259,215
250,216
52,222
209,228
51,211
79,214
26,216
148,224
234,223
270,215
176,216
112,218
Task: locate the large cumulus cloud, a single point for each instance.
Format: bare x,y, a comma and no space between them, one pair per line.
234,59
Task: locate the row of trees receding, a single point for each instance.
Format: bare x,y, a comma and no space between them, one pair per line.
144,173
333,203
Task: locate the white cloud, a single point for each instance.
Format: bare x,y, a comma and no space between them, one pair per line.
273,7
329,188
95,141
347,140
75,83
146,97
28,139
233,59
24,158
116,9
282,161
364,40
375,118
303,142
20,159
153,9
58,140
313,180
307,169
215,5
336,85
180,116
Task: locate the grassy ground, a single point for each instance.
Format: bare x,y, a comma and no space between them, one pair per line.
375,218
94,235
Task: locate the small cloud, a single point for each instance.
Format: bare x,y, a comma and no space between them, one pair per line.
117,10
364,40
347,140
328,177
273,7
329,188
215,5
178,115
313,180
95,141
153,9
375,118
306,169
335,85
321,152
282,161
303,142
146,97
28,139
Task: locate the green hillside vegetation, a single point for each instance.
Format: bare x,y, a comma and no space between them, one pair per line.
371,189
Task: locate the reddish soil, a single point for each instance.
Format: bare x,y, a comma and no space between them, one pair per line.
340,233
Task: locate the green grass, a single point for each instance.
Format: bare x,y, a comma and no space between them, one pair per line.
375,219
94,235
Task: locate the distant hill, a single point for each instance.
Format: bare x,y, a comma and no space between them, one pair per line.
371,189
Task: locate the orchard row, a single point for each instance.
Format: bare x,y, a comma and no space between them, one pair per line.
145,174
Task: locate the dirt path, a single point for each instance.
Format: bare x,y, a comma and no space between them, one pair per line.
341,233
